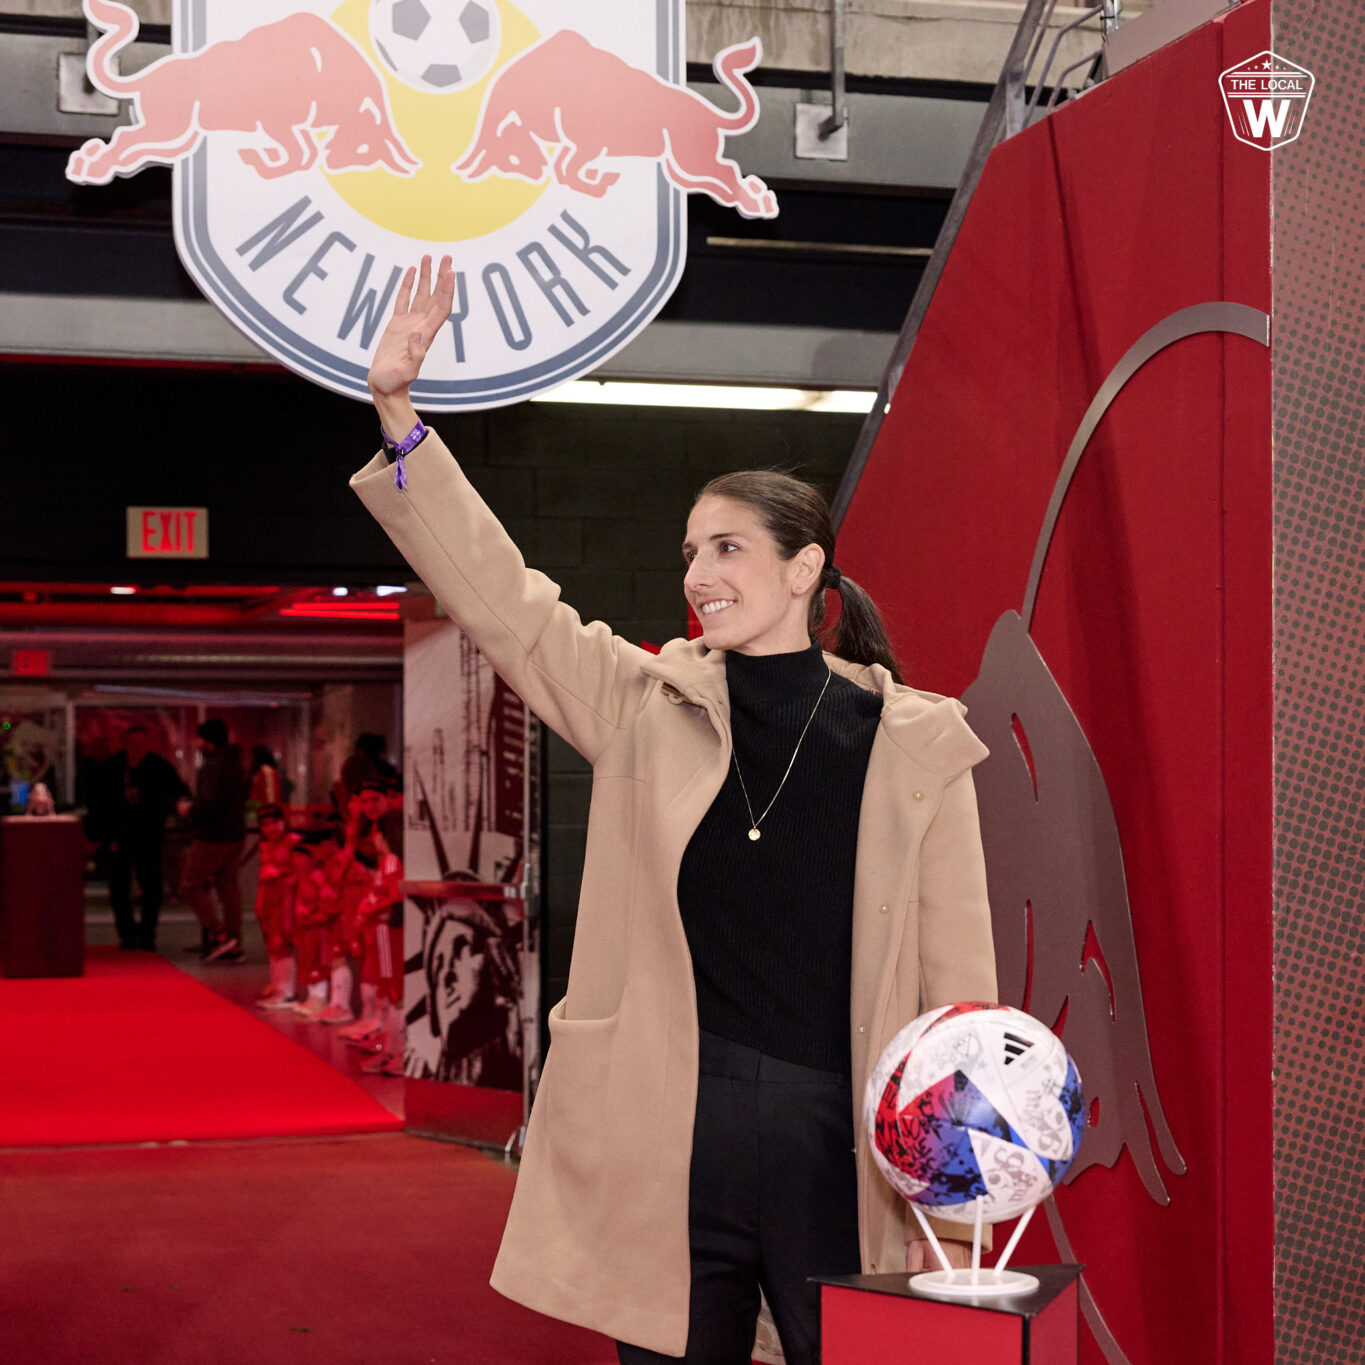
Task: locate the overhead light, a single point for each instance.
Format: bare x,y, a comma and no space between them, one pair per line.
340,592
323,612
387,590
123,591
735,397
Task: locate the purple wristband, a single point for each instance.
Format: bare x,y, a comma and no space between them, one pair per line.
397,449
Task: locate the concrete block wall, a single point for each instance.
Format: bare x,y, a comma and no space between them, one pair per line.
598,499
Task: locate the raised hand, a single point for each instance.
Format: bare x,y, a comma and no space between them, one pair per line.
419,312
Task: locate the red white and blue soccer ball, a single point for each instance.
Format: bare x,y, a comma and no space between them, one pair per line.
974,1104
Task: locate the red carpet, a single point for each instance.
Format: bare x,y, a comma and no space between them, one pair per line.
339,1251
137,1051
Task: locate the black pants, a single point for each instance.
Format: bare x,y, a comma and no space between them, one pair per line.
140,857
773,1200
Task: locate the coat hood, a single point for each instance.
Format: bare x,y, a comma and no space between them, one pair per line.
929,727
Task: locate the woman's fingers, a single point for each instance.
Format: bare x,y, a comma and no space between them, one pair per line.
445,288
400,304
422,298
438,308
415,293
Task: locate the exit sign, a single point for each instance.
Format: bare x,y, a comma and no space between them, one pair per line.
168,533
30,663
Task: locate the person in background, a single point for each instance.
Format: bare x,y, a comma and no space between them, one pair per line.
134,793
373,804
273,891
368,763
352,874
349,880
315,909
265,786
381,919
218,815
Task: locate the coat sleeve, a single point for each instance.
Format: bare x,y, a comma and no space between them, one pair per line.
956,949
581,680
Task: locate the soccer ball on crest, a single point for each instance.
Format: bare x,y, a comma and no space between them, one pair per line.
971,1105
439,46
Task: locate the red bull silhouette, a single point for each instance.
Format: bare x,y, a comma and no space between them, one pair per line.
590,106
285,82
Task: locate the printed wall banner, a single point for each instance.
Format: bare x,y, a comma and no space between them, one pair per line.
471,994
321,147
1267,100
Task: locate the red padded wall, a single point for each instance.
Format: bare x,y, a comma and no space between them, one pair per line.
1153,614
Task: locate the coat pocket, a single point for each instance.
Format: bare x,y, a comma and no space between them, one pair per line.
575,1090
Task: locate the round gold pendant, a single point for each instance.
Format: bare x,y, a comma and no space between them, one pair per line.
754,834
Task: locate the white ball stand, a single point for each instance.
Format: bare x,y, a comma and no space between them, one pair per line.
974,1283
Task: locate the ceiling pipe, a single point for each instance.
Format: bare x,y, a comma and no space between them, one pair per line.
838,115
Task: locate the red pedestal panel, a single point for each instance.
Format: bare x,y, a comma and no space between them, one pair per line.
881,1318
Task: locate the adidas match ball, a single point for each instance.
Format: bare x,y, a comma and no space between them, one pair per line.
436,45
974,1105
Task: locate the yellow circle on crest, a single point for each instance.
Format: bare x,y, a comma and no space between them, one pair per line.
434,204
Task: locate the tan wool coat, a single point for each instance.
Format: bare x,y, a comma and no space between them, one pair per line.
597,1234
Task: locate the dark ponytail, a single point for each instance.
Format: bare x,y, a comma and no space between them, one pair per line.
796,514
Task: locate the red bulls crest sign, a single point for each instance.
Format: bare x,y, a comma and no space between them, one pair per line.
321,147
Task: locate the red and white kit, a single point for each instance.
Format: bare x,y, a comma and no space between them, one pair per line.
315,910
272,893
351,882
381,938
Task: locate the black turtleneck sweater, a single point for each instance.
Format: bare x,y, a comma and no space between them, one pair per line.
770,922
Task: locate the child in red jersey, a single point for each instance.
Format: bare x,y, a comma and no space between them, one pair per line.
315,907
273,907
349,881
381,919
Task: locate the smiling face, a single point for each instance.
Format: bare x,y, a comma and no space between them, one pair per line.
746,596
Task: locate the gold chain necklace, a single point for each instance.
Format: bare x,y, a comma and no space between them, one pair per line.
754,832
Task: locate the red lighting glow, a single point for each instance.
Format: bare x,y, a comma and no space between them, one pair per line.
329,612
30,605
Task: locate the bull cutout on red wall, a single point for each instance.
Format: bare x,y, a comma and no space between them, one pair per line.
1063,926
320,146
